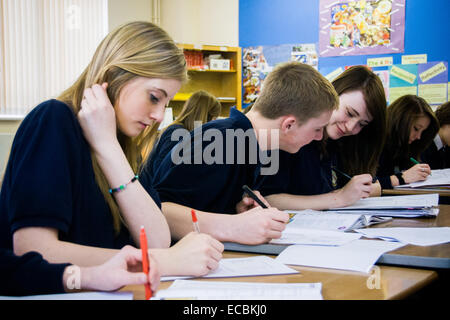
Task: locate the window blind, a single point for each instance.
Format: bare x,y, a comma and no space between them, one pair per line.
44,47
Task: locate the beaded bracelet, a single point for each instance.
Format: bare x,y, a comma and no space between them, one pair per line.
123,186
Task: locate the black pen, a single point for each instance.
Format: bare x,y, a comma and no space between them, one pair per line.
252,195
374,179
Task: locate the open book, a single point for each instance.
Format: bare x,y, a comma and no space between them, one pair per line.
439,179
409,206
329,220
310,227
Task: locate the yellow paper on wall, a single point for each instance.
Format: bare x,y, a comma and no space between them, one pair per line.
396,92
333,75
433,93
380,62
403,74
414,59
432,72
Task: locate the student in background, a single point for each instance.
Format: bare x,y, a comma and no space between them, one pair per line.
352,144
291,111
200,108
30,274
72,189
437,155
412,126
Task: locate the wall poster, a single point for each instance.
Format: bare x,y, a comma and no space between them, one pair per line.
361,27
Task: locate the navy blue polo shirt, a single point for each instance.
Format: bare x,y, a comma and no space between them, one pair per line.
204,184
161,149
49,182
303,173
29,274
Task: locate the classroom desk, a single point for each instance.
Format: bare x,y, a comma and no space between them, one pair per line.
435,257
398,192
395,282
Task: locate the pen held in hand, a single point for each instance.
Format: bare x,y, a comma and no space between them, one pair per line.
195,221
416,162
145,262
252,195
374,179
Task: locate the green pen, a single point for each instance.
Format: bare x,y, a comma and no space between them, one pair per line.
415,162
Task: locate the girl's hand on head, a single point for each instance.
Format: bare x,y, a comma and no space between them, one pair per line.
97,117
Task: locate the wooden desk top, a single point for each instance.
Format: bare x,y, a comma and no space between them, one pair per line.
441,252
393,192
394,283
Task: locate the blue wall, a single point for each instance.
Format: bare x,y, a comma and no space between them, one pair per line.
275,22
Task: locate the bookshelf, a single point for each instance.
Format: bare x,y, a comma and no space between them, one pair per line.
225,85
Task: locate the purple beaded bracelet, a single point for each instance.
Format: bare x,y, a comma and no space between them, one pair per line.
123,186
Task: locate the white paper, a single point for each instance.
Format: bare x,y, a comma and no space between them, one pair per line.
323,220
315,237
409,201
437,178
358,255
416,236
214,290
244,267
77,296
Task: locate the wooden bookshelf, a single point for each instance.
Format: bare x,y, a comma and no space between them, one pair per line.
225,85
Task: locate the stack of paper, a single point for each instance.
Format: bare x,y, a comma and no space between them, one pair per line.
358,255
216,290
396,206
438,179
244,267
415,236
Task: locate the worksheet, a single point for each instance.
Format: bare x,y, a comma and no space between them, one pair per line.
217,290
416,236
358,255
244,267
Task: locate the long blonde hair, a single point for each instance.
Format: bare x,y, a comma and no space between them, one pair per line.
201,106
136,49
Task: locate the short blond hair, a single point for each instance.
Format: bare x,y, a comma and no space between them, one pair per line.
294,88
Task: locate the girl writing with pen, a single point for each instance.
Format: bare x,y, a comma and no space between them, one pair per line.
340,169
72,189
412,126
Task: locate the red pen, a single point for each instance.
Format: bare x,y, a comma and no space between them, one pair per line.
195,221
145,262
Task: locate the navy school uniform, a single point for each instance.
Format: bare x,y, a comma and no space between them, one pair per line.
49,182
387,168
161,149
209,186
29,274
303,173
437,156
